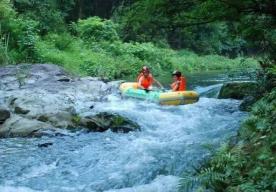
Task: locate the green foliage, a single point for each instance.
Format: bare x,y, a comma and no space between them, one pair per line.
76,119
188,61
6,15
18,35
143,21
254,20
24,34
49,14
6,10
116,59
96,29
248,166
4,54
77,57
61,41
160,20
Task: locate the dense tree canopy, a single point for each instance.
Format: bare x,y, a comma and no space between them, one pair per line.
227,27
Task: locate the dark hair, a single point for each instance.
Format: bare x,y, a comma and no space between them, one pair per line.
176,73
145,68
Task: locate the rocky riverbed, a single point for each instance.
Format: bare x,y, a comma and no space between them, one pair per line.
42,98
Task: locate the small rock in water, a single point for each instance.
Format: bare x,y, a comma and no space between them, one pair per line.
4,115
64,79
19,110
104,121
45,144
43,118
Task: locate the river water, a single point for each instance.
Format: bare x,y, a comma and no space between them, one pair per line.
172,140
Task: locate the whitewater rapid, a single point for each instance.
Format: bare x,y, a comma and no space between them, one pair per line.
172,140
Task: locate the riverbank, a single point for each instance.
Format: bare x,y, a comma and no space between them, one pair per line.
247,162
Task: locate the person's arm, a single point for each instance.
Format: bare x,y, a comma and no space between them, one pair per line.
175,88
140,83
158,83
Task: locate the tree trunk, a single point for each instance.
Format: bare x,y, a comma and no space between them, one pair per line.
80,11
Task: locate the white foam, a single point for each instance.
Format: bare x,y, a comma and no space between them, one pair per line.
170,142
160,184
40,170
17,189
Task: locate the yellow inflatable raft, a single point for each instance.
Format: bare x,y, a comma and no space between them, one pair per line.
163,98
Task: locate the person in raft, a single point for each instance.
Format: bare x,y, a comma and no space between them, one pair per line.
179,83
146,80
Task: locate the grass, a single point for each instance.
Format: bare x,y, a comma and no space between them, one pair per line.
189,61
4,52
115,60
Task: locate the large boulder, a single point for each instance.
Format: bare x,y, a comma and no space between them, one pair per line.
104,121
59,119
237,90
4,115
21,127
44,95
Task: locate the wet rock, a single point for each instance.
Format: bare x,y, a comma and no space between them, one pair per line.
45,144
4,115
64,79
19,110
21,127
247,103
43,96
237,90
43,118
60,119
104,121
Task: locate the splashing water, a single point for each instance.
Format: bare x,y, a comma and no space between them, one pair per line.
171,141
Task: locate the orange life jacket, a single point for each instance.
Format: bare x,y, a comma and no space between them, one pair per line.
146,81
179,85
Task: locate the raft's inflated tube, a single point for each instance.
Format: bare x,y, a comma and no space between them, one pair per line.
164,98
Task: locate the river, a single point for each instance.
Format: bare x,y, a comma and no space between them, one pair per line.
172,140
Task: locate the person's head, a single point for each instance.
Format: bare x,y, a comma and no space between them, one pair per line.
176,75
145,70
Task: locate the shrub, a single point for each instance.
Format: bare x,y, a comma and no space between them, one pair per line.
23,36
80,59
4,55
96,29
61,41
47,13
6,10
117,59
